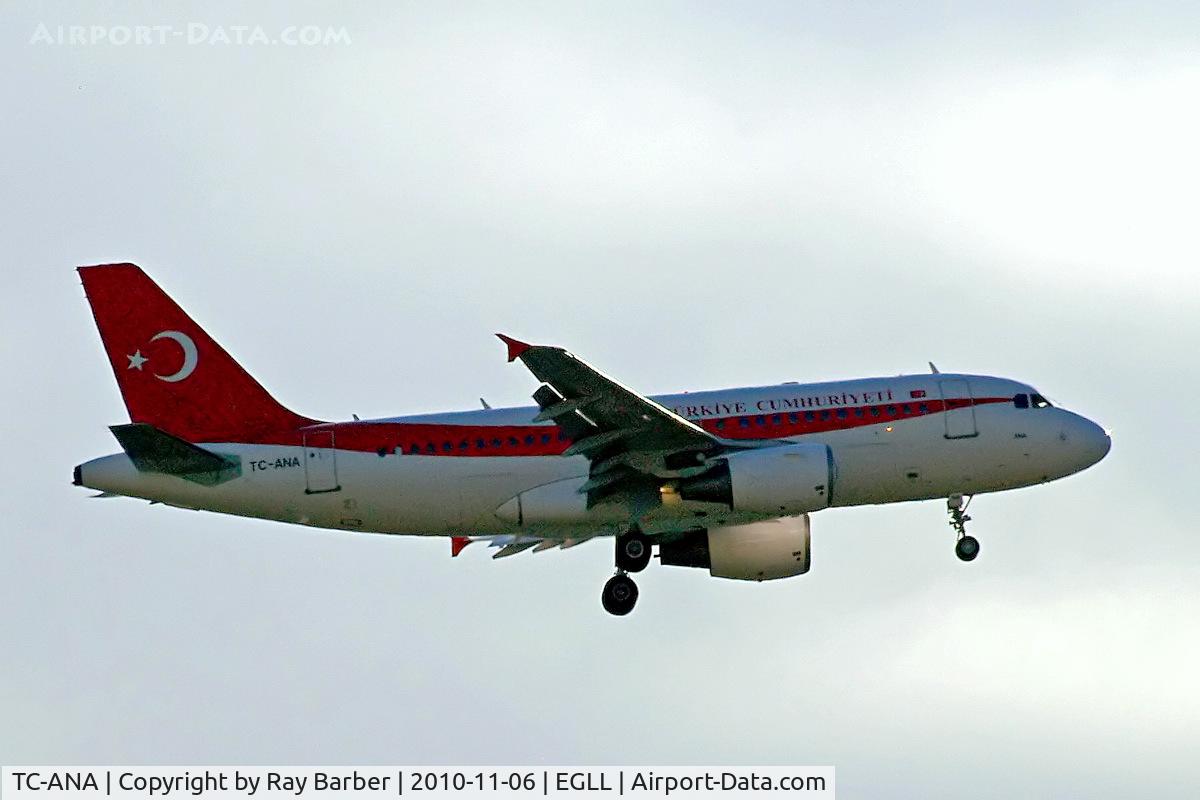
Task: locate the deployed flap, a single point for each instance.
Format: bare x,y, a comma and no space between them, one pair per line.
152,450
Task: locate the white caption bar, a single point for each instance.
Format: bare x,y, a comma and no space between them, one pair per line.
420,783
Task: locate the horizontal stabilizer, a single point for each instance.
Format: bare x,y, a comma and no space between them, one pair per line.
153,450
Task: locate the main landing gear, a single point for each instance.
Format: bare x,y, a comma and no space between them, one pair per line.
633,554
620,595
967,547
633,551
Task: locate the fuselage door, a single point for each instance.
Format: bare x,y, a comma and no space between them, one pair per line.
320,462
960,408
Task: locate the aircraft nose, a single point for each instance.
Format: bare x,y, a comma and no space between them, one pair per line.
1094,441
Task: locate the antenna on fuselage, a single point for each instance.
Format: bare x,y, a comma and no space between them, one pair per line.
933,368
485,405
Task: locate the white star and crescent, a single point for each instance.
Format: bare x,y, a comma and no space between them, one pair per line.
190,356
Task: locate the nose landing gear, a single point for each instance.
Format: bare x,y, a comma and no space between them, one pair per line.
967,547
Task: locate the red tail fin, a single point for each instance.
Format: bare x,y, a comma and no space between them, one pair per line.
172,375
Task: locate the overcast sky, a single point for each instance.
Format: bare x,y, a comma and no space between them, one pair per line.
689,196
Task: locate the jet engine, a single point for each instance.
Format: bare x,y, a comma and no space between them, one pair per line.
776,481
761,551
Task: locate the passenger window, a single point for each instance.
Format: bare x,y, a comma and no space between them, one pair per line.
906,408
431,448
824,415
923,408
842,413
891,410
775,420
545,438
1021,401
808,416
858,412
447,447
514,441
480,443
720,424
793,418
760,420
496,442
874,411
529,439
744,422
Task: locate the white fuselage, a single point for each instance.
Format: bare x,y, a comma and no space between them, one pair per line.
891,439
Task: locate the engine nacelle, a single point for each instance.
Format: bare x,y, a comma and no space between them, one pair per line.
779,481
761,551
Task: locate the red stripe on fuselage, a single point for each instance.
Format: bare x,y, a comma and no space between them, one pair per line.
784,424
437,439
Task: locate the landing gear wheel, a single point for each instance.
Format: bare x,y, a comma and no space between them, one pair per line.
967,548
620,595
633,551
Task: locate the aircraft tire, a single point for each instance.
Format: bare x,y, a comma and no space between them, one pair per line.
967,548
633,551
620,595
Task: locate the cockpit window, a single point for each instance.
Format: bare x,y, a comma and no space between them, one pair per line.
1021,401
1039,401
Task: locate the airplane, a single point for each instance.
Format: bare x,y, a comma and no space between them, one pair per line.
721,480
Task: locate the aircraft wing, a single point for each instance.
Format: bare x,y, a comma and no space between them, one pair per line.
623,434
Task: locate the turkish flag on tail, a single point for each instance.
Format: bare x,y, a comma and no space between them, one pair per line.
171,373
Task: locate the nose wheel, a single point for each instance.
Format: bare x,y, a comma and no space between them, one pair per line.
967,546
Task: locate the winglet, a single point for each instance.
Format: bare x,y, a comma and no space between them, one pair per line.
457,543
515,348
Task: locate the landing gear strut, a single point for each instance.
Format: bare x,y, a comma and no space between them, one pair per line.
967,547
